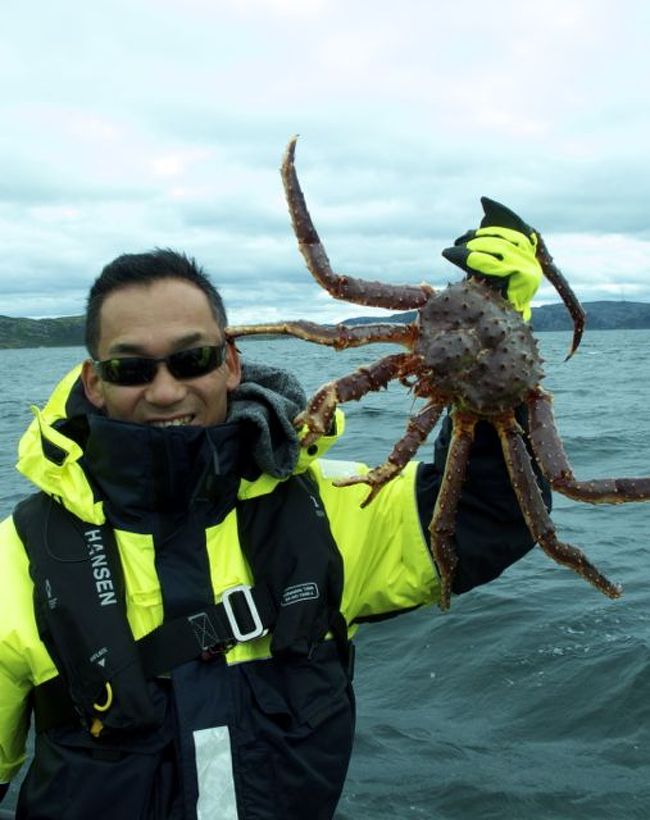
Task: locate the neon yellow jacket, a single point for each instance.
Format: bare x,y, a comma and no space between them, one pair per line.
387,565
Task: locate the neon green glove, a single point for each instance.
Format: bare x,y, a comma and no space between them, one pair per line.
502,251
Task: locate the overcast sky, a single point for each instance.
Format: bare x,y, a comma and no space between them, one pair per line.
132,124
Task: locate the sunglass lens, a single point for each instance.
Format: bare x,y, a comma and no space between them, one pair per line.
128,371
189,364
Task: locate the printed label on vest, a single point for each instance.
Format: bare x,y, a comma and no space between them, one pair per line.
299,592
319,510
98,657
101,571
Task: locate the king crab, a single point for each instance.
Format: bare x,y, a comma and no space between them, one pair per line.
467,349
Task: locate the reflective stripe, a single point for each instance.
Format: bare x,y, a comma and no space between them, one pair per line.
214,774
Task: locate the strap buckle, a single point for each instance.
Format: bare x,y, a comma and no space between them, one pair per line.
258,629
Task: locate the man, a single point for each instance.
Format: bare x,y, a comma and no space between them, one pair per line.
176,600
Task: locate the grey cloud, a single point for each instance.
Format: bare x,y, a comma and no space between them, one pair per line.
25,184
393,154
245,218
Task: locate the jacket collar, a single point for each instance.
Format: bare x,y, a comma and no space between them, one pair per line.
84,459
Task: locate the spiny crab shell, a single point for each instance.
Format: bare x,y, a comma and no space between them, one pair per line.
483,356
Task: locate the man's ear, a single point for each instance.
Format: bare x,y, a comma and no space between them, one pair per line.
93,385
233,363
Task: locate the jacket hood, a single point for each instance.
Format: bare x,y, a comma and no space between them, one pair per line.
94,464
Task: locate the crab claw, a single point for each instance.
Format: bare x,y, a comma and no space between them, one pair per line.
308,428
561,285
374,484
375,479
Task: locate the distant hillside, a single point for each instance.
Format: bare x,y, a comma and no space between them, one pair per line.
605,315
68,331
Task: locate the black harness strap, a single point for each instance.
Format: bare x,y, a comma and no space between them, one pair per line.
210,631
204,634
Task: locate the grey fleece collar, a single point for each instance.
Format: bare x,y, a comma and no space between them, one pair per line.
267,401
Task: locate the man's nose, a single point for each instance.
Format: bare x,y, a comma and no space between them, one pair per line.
164,389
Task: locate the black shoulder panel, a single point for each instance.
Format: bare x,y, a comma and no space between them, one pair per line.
287,540
81,611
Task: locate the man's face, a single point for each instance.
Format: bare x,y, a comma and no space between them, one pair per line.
155,320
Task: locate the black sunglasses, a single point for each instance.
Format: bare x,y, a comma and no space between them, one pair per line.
186,364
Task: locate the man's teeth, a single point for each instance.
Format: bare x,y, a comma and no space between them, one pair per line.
173,422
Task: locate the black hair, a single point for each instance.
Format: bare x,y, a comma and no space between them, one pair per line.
143,269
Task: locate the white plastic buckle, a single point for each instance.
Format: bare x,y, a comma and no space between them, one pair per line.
258,630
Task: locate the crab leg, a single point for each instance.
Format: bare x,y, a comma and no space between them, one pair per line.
359,291
340,336
417,430
555,465
319,412
559,282
442,526
534,510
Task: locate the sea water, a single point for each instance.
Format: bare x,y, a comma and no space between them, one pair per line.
530,698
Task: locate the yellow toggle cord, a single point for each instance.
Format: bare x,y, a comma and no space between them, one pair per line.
97,725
